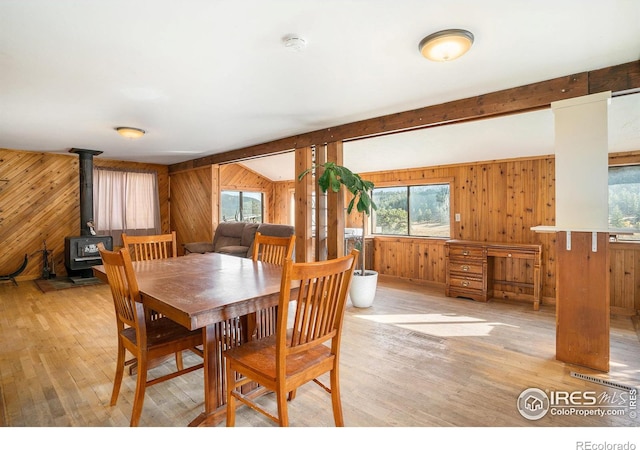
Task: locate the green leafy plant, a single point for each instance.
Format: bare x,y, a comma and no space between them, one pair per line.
334,177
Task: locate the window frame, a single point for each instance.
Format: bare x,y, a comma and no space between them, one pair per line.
430,182
240,200
631,236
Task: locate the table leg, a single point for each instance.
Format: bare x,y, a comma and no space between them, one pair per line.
218,337
214,394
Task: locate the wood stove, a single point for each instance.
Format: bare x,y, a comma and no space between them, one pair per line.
81,252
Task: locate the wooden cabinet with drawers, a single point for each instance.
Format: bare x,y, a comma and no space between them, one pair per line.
470,270
466,266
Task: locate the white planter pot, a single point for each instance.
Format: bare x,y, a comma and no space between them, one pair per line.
363,289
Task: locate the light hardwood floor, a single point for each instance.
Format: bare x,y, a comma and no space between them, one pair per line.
414,359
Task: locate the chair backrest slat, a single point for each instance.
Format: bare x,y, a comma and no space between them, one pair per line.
158,246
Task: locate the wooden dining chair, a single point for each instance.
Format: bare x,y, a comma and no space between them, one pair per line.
157,246
272,249
146,340
295,356
150,247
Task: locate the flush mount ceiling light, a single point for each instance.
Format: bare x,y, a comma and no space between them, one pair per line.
130,133
294,43
446,45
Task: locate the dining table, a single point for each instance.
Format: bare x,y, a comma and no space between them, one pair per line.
231,299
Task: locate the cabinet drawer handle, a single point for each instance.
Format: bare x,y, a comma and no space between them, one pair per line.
509,255
465,283
465,268
465,252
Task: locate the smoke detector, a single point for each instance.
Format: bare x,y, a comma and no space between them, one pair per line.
294,43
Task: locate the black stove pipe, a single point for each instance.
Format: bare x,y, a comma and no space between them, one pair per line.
86,187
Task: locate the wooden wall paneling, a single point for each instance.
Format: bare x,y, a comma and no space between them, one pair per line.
499,201
629,274
282,201
545,208
404,255
435,262
511,183
194,205
625,278
531,189
491,202
416,261
40,202
474,205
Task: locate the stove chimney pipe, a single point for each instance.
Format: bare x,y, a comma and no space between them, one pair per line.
86,187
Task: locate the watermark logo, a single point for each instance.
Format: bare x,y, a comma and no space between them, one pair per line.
533,404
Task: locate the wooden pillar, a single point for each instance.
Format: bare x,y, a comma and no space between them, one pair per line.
582,299
304,198
320,206
335,208
215,198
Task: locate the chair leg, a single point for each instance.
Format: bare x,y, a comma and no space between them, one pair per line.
283,412
231,400
292,395
335,398
141,385
117,380
179,362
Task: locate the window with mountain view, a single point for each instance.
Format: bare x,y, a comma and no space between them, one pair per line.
422,210
241,206
624,199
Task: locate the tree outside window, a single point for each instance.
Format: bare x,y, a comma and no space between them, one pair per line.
624,199
422,210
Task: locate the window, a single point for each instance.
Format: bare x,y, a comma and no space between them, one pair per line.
125,202
624,198
412,210
238,206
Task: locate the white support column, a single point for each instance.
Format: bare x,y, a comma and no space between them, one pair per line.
581,146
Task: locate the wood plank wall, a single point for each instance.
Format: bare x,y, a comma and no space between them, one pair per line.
195,201
194,205
40,201
497,201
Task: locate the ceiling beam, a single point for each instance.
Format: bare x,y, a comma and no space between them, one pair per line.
623,78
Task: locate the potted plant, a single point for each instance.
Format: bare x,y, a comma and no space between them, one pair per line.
363,285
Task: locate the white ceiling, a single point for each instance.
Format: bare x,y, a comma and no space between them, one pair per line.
209,76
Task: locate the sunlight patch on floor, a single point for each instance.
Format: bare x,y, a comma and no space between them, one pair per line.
440,325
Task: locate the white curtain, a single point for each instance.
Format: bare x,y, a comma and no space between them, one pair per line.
125,201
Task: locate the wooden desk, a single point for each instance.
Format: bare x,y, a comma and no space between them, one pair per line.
218,294
470,269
